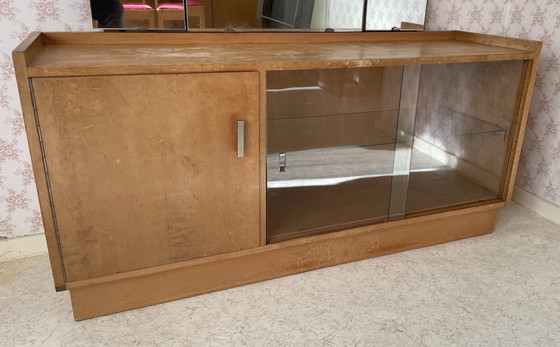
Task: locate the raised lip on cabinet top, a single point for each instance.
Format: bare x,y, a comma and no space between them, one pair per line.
95,53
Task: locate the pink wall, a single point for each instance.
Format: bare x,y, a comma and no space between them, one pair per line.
535,19
19,208
539,170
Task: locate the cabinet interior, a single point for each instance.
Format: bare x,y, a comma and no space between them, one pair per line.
350,147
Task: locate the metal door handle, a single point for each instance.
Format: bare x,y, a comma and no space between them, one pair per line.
240,138
282,160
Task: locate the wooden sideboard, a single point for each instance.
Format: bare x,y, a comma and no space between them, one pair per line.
175,164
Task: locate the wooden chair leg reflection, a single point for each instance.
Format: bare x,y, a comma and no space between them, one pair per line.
175,12
137,13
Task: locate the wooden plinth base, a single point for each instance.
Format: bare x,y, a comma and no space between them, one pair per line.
120,292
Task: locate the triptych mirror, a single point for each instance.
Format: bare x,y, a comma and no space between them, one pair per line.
260,15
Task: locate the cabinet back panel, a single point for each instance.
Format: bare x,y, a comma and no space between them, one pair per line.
143,173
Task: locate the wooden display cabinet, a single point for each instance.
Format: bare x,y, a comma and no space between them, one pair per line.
171,165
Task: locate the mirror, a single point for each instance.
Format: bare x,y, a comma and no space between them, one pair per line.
149,14
260,15
311,14
403,14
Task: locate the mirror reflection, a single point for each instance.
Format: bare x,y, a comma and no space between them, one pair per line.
402,14
209,15
151,14
311,14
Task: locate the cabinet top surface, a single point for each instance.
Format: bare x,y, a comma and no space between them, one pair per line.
70,54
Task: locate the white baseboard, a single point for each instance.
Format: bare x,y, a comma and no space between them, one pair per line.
533,202
20,247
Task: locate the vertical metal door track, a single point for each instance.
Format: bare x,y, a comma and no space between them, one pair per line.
45,168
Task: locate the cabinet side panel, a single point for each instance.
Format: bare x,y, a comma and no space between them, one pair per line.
520,124
26,98
144,170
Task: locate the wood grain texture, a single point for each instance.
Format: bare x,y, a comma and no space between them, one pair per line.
119,38
520,125
209,53
500,41
21,57
144,174
152,286
152,202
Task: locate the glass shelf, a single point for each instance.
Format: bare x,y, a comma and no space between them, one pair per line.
369,129
368,113
329,166
443,122
318,164
332,131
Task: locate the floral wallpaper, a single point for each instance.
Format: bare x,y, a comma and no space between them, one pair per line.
383,15
19,207
466,110
539,171
539,168
345,14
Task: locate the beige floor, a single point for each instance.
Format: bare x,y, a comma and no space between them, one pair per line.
501,289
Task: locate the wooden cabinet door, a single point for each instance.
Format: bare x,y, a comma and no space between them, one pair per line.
143,169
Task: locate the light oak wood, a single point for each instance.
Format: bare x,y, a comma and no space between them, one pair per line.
207,55
139,138
152,175
110,38
22,55
521,122
499,41
152,286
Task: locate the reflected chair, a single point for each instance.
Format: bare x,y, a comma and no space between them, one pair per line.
175,12
136,13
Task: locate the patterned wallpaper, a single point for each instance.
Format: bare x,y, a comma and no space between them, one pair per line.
345,14
384,15
539,171
19,208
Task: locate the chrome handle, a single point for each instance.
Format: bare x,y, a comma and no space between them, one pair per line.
282,160
240,138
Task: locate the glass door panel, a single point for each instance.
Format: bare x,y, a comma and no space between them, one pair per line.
464,125
351,147
330,148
